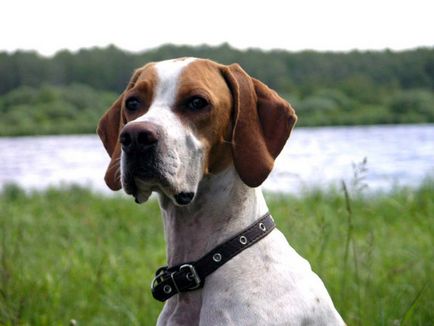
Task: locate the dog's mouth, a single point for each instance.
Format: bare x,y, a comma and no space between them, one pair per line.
139,176
142,175
141,186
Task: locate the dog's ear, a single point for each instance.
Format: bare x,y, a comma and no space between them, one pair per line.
262,124
108,130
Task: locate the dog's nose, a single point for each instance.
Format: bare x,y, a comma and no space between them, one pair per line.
139,137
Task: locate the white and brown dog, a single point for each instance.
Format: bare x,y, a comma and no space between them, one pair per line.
204,136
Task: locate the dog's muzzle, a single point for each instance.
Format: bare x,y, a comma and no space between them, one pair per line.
139,142
148,164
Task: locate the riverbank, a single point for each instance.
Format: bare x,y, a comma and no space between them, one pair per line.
72,254
381,156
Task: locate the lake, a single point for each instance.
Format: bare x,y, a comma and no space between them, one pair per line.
396,155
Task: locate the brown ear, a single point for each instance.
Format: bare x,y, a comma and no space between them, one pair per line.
109,127
262,124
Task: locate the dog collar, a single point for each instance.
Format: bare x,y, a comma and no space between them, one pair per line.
191,276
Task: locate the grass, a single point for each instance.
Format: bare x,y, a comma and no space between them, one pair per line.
70,254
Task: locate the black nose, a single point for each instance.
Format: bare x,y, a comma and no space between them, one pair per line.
139,137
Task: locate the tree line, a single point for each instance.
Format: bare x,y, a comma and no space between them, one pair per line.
358,87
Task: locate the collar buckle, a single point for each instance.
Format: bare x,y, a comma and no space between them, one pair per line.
191,275
159,277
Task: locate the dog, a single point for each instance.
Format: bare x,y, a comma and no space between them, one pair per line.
204,136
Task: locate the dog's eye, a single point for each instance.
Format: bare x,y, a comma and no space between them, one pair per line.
197,103
132,104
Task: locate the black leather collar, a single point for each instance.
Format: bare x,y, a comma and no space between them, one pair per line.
191,276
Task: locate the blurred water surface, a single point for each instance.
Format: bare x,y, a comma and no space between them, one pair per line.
399,154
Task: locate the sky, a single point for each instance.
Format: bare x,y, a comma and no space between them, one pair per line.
333,25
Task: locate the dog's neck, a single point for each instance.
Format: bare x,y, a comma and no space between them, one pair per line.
223,206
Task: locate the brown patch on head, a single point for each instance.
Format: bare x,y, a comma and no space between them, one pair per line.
246,122
140,87
211,125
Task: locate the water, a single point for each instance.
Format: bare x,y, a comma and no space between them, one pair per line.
396,155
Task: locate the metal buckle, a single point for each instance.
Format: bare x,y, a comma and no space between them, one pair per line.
158,276
191,275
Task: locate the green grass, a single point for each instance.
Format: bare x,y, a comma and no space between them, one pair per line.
71,254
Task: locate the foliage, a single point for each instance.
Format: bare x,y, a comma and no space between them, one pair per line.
326,88
360,74
52,110
90,258
417,104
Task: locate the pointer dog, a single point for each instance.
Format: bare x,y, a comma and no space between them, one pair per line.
204,136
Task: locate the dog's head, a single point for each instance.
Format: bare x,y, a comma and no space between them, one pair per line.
182,119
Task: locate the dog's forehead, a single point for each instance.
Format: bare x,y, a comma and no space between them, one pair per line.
171,69
170,76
